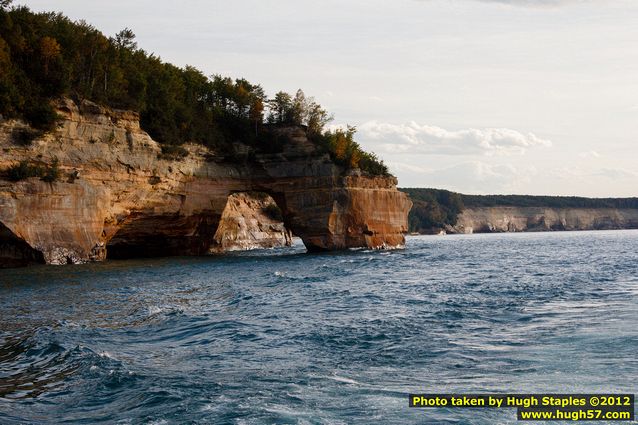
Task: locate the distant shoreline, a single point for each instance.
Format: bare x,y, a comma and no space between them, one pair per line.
437,210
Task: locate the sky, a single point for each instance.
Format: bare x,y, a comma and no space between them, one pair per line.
532,97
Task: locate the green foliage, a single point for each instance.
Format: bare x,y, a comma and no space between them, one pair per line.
46,55
372,164
281,111
41,116
52,172
25,170
24,136
433,209
548,201
298,110
343,150
274,212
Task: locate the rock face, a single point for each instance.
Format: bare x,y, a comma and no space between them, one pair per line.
250,221
118,195
529,219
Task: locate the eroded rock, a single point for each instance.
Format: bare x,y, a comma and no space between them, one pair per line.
250,221
118,196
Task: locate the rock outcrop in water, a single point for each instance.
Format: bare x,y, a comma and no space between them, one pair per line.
118,195
530,219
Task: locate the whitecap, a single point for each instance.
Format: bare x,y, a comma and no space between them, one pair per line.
153,309
343,379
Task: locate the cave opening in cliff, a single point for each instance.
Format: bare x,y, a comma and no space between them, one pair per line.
163,235
15,252
251,220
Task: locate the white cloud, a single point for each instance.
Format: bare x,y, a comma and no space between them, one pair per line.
413,138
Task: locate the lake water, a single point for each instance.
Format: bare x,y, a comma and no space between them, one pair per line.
285,337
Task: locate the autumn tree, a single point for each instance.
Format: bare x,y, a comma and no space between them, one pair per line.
49,49
257,112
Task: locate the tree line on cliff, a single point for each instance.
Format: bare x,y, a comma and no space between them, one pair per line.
44,56
434,209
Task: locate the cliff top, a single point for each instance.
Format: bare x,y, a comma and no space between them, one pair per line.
48,56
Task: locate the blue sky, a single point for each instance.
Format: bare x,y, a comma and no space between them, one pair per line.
477,96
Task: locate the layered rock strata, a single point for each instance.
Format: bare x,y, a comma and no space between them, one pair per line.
117,194
529,219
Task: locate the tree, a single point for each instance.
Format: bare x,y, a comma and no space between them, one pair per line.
340,146
257,112
317,118
299,110
281,108
49,49
125,39
46,55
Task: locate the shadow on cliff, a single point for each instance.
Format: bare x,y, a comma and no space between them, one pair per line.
144,235
15,252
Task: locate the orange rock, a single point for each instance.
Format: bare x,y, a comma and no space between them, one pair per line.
119,197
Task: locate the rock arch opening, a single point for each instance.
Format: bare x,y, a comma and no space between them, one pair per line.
248,220
251,220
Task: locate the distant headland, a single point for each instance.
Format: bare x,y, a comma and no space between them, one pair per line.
437,210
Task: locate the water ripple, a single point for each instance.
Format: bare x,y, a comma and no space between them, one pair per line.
338,338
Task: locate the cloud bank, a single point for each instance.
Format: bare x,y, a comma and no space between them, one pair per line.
414,138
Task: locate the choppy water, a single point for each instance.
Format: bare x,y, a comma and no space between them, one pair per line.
286,337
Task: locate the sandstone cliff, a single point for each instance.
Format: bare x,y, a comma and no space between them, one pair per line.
526,219
248,222
119,196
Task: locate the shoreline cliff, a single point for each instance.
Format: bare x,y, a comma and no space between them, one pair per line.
117,194
540,219
438,210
